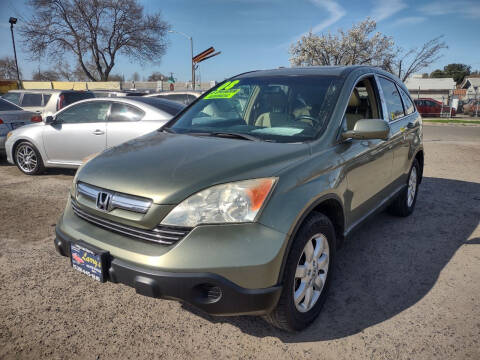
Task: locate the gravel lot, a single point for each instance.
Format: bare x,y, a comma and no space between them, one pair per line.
404,288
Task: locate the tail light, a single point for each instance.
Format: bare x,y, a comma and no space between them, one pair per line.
36,118
61,100
1,121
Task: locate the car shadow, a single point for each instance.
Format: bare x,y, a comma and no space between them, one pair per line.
48,171
387,266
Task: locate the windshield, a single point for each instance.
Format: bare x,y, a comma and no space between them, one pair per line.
277,108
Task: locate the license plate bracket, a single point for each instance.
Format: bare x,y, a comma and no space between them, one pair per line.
89,260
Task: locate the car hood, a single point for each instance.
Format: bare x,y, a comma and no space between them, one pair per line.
168,168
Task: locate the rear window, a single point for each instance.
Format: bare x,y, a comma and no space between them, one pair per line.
392,98
72,97
7,106
170,107
32,99
181,98
13,97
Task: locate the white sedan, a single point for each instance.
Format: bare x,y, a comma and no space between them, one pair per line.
85,128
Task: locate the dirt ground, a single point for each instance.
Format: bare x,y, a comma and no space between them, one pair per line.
403,288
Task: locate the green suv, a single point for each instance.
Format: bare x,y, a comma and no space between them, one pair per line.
239,203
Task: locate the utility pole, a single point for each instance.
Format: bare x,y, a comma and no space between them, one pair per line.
12,21
191,54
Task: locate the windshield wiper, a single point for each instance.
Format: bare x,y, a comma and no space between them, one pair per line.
236,136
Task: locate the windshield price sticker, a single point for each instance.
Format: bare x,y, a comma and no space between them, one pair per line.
225,91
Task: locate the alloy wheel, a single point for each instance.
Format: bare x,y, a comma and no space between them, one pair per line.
26,158
311,273
412,186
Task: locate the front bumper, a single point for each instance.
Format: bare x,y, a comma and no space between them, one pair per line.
209,292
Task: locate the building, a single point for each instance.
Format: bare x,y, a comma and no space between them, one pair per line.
440,89
472,87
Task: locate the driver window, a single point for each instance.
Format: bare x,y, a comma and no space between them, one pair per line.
90,112
363,103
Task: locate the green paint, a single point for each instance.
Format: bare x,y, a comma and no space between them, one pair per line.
225,91
225,94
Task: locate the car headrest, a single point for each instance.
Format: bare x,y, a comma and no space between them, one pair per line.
354,100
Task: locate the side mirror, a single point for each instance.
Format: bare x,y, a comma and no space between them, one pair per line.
368,129
49,120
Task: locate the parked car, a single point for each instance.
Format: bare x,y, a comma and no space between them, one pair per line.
46,102
238,207
84,128
12,117
433,108
118,93
182,97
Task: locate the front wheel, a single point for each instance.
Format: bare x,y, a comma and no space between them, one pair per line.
307,275
28,159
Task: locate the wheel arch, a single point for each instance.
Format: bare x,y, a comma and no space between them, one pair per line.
419,156
329,205
18,142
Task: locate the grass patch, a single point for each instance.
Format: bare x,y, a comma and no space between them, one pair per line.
452,121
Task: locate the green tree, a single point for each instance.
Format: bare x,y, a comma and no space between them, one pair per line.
438,74
457,71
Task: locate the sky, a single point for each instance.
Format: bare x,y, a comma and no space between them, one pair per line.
256,34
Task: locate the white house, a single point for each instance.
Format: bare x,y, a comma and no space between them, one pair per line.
439,89
470,83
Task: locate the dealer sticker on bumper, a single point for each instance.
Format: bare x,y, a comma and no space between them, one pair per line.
87,261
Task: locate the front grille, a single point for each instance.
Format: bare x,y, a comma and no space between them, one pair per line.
160,234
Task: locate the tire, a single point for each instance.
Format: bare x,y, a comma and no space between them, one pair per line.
404,204
28,159
318,230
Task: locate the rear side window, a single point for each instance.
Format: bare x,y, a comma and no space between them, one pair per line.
392,98
124,112
12,97
32,99
6,106
407,103
46,97
70,98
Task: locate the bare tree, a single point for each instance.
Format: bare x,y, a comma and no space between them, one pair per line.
95,32
408,62
8,70
359,45
47,75
156,76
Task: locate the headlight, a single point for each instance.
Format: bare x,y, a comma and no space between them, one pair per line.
227,203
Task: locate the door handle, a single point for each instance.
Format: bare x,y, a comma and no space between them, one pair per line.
98,132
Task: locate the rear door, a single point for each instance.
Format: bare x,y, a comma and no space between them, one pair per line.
403,121
78,131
